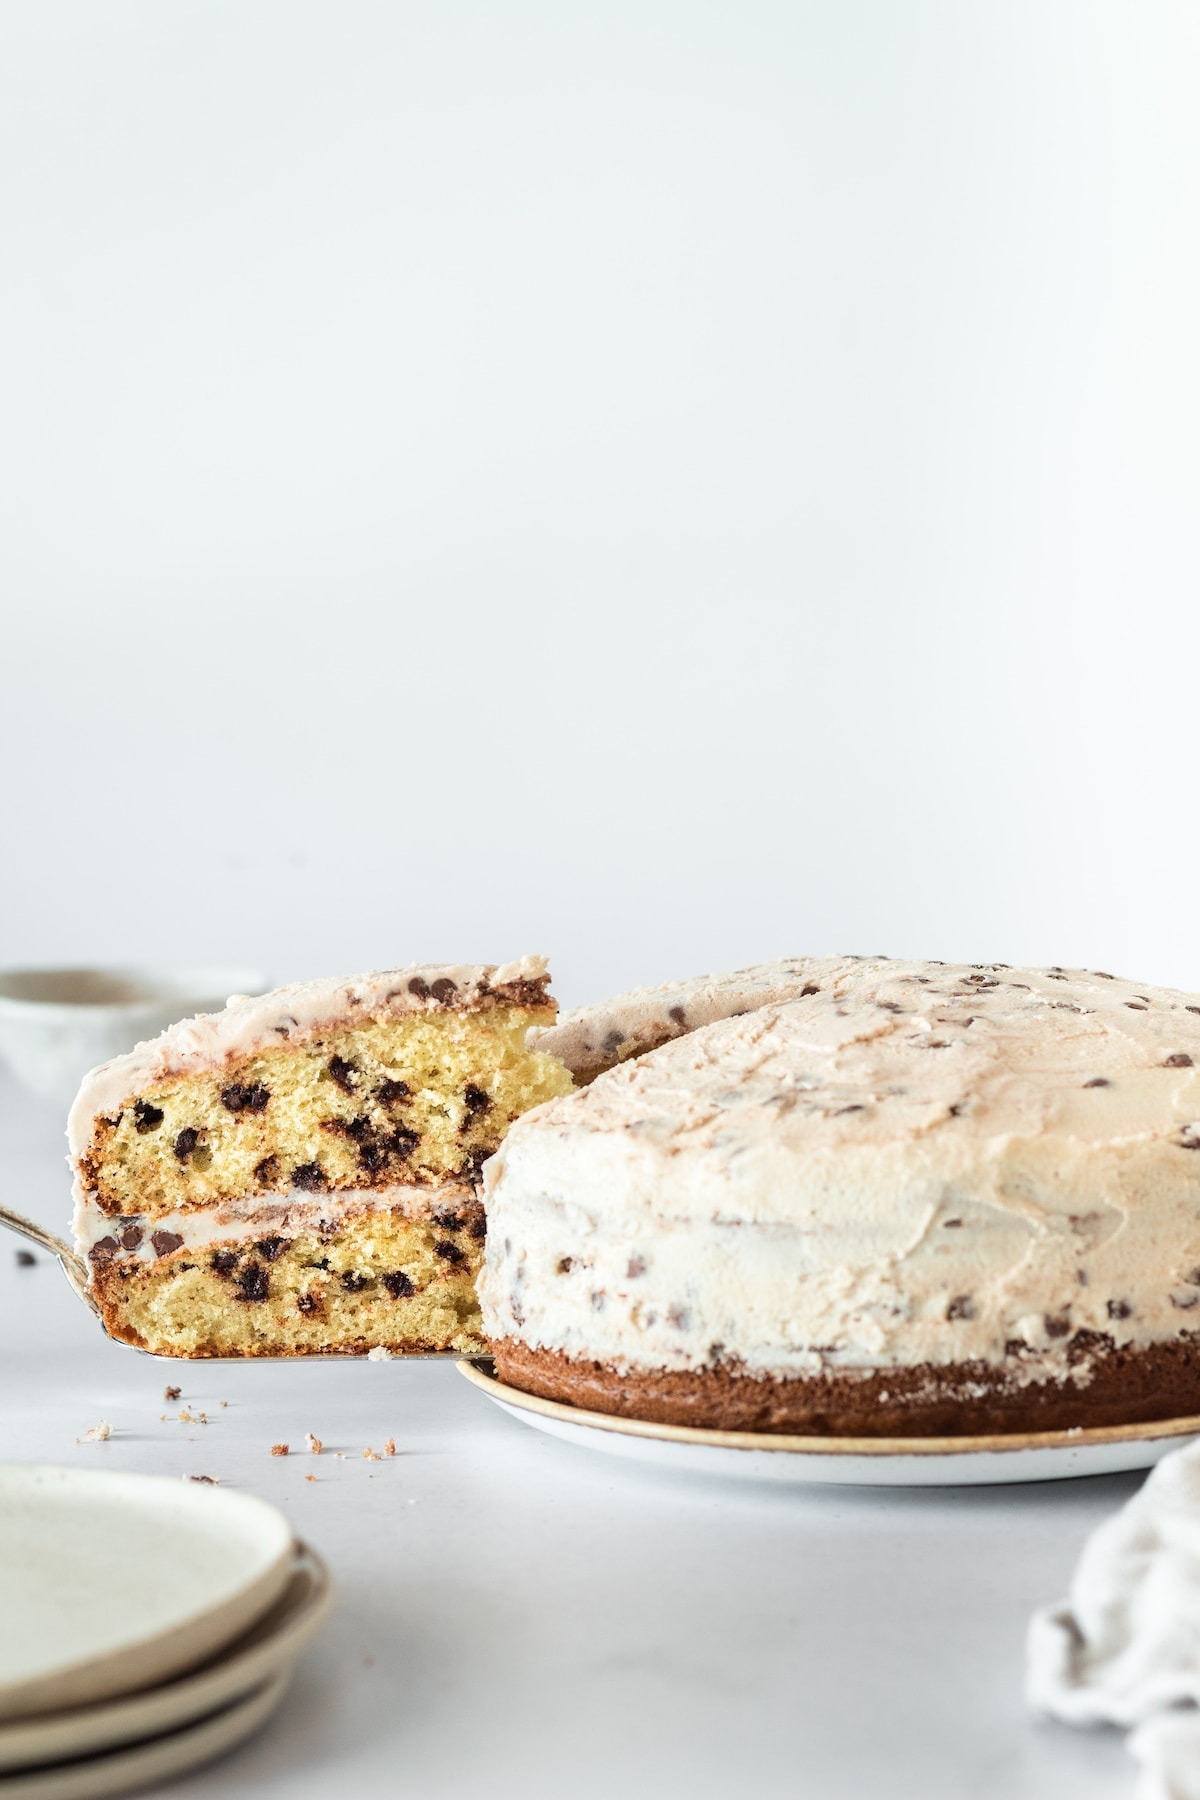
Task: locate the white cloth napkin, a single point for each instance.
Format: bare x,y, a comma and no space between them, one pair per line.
1124,1647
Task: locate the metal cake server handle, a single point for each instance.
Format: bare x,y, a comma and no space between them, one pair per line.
71,1265
76,1273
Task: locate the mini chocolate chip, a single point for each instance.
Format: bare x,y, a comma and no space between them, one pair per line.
1119,1309
104,1249
343,1073
1195,1009
146,1117
635,1267
224,1262
131,1237
309,1303
401,1142
849,1109
613,1040
242,1096
444,989
391,1091
26,1259
810,987
353,1282
957,1110
253,1283
450,1252
165,1241
398,1284
1056,1327
1135,1006
1179,1059
272,1247
310,1177
476,1101
1098,1081
419,986
479,1227
677,1015
1081,1276
565,1265
961,1307
186,1142
951,1224
267,1170
1189,1137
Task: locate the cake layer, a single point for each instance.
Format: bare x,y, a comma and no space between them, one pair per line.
392,1270
913,1165
1106,1385
415,1079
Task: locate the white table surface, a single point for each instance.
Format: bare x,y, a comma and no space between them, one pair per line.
518,1617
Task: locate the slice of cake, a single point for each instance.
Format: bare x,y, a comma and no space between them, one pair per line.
919,1198
299,1172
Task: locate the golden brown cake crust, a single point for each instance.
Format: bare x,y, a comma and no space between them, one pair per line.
1120,1386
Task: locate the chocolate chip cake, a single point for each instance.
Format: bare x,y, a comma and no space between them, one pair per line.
916,1198
299,1172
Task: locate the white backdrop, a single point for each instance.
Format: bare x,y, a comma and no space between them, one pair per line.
663,483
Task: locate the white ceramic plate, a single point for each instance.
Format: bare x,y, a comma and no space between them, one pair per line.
111,1582
846,1462
145,1765
268,1649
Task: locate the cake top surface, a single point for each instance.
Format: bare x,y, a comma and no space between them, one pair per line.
593,1038
936,1057
250,1023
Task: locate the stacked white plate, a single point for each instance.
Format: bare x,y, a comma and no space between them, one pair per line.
146,1626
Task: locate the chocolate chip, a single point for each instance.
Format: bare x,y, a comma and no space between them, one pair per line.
450,1252
26,1259
479,1227
677,1015
565,1265
1098,1081
951,1224
1056,1326
146,1117
1135,1006
613,1040
131,1237
635,1267
104,1249
810,987
344,1073
253,1283
1179,1059
398,1284
310,1177
476,1101
249,1097
223,1262
848,1109
961,1307
419,986
1189,1137
309,1303
402,1143
165,1241
444,989
353,1282
267,1170
186,1142
1119,1309
391,1091
272,1247
1195,1009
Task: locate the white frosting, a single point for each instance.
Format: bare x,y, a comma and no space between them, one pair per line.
1124,1648
282,1215
594,1038
912,1165
249,1024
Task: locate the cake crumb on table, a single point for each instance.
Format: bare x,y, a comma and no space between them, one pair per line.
96,1434
279,1449
171,1393
313,1445
208,1480
310,1478
389,1449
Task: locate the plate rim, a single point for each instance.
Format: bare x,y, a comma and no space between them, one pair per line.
229,1677
1003,1443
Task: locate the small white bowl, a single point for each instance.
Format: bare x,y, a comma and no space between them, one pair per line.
56,1024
